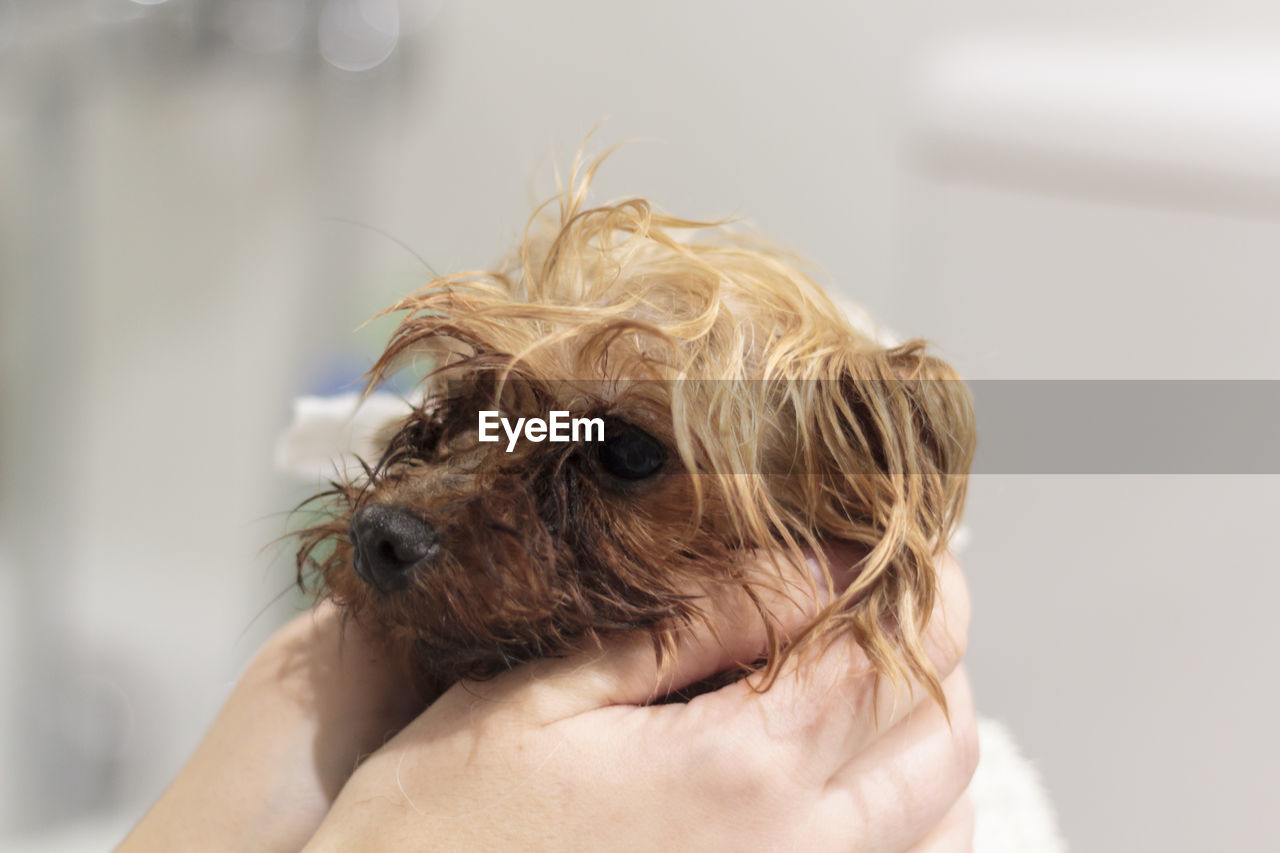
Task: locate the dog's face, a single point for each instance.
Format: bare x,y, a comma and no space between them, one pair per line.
712,401
477,557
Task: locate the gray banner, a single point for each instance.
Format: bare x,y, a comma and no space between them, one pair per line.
1127,427
1024,426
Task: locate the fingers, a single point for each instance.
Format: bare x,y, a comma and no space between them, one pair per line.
324,661
953,835
626,671
831,699
901,791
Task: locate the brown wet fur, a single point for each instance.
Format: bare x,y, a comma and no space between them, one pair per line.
784,426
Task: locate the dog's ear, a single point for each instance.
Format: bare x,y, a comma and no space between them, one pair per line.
888,448
908,420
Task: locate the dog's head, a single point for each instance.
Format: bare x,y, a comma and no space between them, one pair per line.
710,398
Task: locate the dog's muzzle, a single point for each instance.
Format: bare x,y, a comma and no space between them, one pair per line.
388,543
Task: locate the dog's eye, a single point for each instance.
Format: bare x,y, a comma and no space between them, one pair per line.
628,452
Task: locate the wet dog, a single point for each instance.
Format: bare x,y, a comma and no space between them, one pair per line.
608,422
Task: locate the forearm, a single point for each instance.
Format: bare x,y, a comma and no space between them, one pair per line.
314,701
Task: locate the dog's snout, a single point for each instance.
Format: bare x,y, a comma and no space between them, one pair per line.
388,542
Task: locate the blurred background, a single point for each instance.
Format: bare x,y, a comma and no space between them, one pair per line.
201,200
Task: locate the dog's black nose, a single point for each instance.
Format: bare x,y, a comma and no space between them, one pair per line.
388,541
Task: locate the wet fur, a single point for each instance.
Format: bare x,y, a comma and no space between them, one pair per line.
785,426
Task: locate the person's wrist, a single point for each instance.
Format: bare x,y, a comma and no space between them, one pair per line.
310,704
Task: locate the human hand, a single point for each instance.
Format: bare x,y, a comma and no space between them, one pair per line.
316,699
564,754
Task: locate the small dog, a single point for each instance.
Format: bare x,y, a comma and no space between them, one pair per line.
609,421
